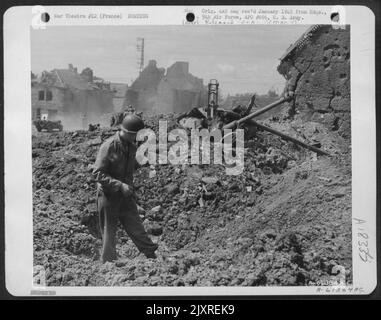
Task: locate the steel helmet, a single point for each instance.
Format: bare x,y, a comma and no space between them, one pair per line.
132,123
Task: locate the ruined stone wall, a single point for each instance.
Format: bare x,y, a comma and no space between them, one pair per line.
185,100
73,105
142,93
156,92
56,103
165,99
119,93
99,102
74,99
179,91
319,75
171,100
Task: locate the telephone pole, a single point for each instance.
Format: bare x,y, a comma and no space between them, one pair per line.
140,50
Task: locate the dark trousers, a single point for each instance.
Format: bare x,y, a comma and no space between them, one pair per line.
116,208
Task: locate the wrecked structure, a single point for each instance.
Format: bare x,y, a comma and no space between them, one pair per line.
119,90
75,98
284,221
160,91
317,69
143,91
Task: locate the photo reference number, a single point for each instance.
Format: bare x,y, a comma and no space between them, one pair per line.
195,310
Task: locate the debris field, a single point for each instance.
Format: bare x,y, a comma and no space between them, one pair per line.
286,220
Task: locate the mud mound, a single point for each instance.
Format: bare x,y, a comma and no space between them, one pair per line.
284,221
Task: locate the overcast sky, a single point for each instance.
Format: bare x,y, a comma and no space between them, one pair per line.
242,58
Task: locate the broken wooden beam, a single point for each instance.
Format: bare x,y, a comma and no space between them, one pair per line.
289,138
235,124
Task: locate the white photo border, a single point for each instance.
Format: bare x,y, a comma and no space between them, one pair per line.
18,161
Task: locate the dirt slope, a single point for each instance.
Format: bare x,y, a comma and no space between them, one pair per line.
285,221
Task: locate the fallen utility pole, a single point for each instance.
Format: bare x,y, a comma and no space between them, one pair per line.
289,138
235,124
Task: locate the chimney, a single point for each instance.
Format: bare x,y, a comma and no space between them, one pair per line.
71,68
87,74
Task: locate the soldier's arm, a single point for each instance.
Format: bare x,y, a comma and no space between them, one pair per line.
101,169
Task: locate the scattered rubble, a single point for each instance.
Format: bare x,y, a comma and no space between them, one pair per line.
278,223
286,220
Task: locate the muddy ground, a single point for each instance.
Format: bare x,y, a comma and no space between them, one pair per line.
286,220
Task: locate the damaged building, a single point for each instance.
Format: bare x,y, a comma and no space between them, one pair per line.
317,70
284,221
159,91
119,90
76,99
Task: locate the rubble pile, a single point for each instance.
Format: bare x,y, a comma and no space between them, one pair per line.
286,220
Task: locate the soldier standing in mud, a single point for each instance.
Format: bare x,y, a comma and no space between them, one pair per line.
113,171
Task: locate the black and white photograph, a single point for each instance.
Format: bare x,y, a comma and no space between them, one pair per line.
197,154
285,220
